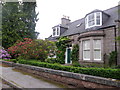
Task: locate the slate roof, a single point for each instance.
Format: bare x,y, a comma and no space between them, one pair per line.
78,26
51,38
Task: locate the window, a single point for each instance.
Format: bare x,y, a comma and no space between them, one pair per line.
53,32
86,50
91,53
93,19
98,18
56,31
97,49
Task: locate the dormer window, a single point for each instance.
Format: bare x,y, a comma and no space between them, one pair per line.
56,31
93,19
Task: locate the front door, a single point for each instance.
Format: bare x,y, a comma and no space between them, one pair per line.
68,55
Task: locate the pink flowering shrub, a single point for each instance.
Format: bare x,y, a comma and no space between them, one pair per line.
4,54
30,49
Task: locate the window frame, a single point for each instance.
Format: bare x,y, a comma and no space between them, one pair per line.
94,49
88,49
87,21
57,31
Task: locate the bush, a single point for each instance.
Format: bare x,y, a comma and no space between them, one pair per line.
51,60
116,67
4,54
112,58
31,49
94,65
102,72
76,64
12,60
75,53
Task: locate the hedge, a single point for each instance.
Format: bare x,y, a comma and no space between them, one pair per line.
102,72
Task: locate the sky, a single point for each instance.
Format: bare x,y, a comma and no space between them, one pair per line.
51,12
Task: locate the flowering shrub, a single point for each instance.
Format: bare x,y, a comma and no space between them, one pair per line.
30,49
4,54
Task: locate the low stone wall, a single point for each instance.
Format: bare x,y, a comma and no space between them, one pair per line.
68,78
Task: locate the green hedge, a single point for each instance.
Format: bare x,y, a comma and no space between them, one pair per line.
102,72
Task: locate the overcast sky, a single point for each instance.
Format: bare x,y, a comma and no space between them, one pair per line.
51,12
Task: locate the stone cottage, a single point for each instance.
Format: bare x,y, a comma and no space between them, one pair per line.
95,34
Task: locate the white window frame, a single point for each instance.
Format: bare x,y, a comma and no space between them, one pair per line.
86,49
54,31
95,19
57,29
97,49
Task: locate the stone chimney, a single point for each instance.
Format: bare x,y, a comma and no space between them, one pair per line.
65,20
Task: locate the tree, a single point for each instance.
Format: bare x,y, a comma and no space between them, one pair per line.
31,18
14,23
10,25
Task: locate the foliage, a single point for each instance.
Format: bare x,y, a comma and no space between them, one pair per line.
49,46
112,58
75,53
116,67
61,48
31,18
14,23
4,54
51,60
90,65
11,60
0,38
76,64
30,49
102,72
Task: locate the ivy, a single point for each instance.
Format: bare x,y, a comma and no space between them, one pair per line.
61,48
75,53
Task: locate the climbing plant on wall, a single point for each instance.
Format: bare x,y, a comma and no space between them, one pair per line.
75,53
61,48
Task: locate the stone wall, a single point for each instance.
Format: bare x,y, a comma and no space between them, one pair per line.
109,40
75,39
68,78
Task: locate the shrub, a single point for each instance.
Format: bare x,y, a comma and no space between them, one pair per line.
76,64
102,72
75,53
112,58
4,54
51,60
94,65
116,67
12,60
31,49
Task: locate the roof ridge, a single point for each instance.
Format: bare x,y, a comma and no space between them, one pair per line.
110,8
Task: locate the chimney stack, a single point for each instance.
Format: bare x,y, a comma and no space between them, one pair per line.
65,20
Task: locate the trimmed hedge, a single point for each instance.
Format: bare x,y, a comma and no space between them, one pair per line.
102,72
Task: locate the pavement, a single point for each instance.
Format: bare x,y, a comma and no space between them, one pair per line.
24,80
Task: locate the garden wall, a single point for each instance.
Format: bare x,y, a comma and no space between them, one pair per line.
68,78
